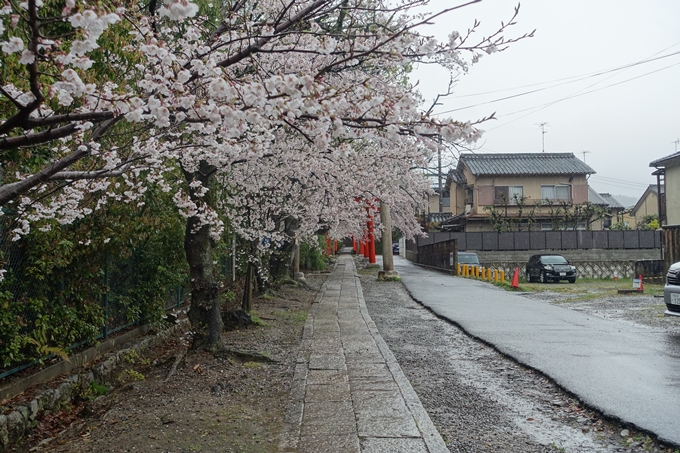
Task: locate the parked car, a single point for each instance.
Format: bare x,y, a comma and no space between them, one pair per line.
545,268
671,291
468,258
395,248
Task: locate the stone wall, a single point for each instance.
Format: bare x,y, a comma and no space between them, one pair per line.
17,419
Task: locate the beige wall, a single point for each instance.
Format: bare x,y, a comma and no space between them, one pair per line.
629,219
672,183
649,206
433,204
531,188
484,194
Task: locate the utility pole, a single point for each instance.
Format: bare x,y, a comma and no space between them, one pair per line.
543,132
439,176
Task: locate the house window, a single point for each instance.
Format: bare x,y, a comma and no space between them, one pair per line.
508,194
546,226
516,192
556,192
469,195
446,198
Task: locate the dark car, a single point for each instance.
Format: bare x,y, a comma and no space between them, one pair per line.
395,248
546,268
671,292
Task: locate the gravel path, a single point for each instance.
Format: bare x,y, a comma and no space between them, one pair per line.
482,401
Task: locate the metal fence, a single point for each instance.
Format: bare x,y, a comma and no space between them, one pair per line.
111,293
547,240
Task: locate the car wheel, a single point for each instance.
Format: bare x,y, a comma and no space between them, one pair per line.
572,280
541,278
529,279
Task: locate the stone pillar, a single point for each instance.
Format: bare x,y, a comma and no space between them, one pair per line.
297,275
388,271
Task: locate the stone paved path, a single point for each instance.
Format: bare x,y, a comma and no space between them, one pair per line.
349,393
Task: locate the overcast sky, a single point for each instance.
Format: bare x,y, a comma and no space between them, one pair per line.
622,128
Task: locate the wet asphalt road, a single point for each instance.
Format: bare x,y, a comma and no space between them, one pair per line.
626,372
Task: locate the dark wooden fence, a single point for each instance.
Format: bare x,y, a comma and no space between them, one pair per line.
441,255
549,240
671,245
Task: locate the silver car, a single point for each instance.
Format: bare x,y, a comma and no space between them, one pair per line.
671,292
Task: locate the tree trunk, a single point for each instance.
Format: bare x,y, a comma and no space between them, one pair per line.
205,315
281,259
248,289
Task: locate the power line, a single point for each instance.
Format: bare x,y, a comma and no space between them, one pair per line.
622,185
525,93
579,77
575,95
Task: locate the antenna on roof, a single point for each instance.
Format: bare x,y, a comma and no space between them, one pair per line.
677,140
584,155
543,132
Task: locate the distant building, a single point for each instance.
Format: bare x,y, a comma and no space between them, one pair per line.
614,208
647,205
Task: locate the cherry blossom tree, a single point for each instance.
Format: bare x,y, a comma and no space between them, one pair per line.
278,110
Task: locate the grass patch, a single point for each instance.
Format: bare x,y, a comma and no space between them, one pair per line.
389,279
252,365
588,288
256,319
296,315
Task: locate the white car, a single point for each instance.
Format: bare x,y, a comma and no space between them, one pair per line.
671,292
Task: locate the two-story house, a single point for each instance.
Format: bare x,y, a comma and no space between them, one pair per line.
537,191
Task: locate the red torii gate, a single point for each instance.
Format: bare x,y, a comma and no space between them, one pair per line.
366,245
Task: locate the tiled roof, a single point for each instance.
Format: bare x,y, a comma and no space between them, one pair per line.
611,201
595,197
653,188
525,164
667,161
456,176
438,217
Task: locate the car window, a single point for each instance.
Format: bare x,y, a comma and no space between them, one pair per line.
556,259
468,258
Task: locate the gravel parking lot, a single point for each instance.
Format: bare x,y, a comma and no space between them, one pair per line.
480,400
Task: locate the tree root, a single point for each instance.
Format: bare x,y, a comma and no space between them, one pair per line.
178,359
247,356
